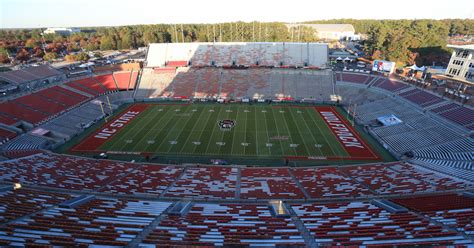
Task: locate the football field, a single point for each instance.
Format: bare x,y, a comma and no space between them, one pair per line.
231,130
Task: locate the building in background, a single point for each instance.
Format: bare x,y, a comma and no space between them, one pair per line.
331,31
62,31
461,64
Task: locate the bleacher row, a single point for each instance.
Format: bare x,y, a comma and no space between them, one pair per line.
40,106
417,130
453,112
39,218
423,135
99,85
6,135
46,104
75,121
216,83
214,182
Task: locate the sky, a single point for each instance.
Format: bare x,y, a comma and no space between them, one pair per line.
86,13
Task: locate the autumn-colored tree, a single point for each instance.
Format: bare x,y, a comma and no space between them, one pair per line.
106,43
4,56
72,48
31,43
23,55
50,56
77,57
4,59
82,57
38,52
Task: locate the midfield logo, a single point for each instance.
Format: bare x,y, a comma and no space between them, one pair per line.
226,125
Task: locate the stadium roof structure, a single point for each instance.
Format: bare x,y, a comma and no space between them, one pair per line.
29,74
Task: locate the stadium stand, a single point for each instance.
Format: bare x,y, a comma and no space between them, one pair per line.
6,135
22,112
62,171
106,220
40,106
389,85
19,153
445,164
461,115
100,222
402,179
236,53
255,83
49,199
63,96
125,80
329,182
27,142
107,81
206,182
354,78
7,119
417,130
22,202
88,85
364,224
32,77
450,210
76,120
155,83
146,179
271,183
421,98
117,67
443,108
209,224
457,153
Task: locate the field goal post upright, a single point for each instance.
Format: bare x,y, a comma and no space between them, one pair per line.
103,112
354,114
351,111
110,105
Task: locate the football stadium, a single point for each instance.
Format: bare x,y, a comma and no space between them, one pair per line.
204,144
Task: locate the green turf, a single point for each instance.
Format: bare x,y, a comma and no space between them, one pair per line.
192,130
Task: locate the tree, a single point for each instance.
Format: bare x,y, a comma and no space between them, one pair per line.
106,43
77,57
23,55
98,55
30,43
39,53
50,56
4,56
149,37
72,47
82,57
126,41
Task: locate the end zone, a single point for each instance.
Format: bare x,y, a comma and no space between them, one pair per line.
109,129
346,135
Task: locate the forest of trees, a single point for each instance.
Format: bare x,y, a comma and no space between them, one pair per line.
409,41
404,41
